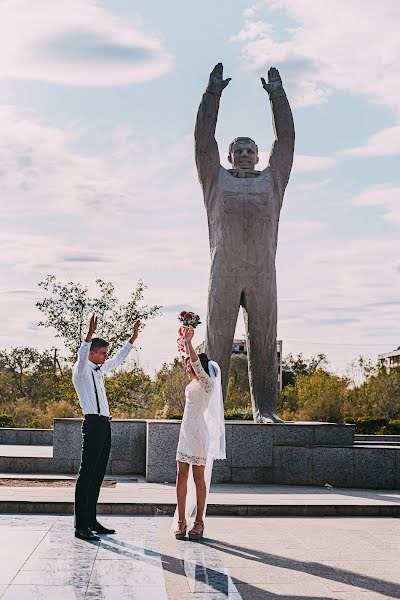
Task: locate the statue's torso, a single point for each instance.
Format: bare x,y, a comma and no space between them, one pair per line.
243,217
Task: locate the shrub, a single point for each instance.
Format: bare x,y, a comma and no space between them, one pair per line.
239,414
235,414
6,421
368,425
392,428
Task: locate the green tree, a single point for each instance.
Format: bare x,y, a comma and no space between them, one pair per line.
238,390
31,372
383,392
321,396
129,394
68,307
169,389
292,366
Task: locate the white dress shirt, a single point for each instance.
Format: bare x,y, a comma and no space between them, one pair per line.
83,381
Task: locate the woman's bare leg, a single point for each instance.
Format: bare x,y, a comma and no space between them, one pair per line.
181,489
198,476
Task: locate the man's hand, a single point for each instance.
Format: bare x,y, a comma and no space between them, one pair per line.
274,81
135,332
188,334
92,327
217,83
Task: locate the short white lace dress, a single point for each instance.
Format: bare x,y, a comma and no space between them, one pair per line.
193,437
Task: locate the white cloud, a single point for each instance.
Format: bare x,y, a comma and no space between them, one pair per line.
347,45
111,216
343,288
42,172
294,230
252,30
304,163
387,197
76,42
383,143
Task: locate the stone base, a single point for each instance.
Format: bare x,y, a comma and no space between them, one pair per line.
25,436
255,453
128,448
285,454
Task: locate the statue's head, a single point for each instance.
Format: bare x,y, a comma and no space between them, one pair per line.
243,153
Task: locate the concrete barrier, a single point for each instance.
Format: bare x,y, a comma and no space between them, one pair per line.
26,437
255,453
128,448
286,454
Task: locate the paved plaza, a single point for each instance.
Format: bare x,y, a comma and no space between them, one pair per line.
241,558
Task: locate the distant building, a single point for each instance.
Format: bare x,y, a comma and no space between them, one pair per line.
239,346
390,360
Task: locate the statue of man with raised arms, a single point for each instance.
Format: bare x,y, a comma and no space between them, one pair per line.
243,207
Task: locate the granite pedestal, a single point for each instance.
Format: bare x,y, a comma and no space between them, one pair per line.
312,454
128,448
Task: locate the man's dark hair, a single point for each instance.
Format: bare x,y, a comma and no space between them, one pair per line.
98,343
204,360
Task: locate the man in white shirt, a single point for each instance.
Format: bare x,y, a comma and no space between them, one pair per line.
88,379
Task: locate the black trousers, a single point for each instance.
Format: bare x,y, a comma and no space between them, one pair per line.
96,444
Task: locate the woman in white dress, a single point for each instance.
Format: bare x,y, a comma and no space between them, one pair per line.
201,440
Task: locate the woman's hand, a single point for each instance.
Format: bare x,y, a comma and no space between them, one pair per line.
188,333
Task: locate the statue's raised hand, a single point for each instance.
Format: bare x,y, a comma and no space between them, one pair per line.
274,81
217,83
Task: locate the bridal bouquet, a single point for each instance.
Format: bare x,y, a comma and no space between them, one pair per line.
188,319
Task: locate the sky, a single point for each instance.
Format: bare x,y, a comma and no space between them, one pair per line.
97,107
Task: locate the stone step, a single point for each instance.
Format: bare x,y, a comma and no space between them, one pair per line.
374,438
373,443
24,436
220,509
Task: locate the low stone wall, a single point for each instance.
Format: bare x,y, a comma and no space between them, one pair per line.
128,448
256,453
26,437
288,454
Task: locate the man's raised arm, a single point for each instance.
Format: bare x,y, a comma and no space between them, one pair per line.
83,353
281,156
113,363
206,148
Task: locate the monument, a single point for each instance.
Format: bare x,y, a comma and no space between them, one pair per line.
243,207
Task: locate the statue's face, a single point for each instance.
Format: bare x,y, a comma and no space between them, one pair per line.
244,155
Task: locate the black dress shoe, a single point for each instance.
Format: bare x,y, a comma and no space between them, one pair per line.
99,528
86,534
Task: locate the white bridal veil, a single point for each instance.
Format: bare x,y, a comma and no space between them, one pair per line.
216,449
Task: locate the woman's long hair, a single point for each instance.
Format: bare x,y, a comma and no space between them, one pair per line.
204,360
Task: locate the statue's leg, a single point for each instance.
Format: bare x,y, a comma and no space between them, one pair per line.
260,316
222,314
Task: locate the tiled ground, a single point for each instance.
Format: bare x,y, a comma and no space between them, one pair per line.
241,558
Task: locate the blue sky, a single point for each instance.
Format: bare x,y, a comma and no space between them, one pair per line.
97,108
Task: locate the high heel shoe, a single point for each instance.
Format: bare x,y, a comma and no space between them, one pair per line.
180,532
197,532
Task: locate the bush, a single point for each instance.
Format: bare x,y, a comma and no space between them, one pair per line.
374,425
239,414
5,421
320,396
392,428
235,414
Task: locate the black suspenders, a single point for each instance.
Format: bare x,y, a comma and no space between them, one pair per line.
97,395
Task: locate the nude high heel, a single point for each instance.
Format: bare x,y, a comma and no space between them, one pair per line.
197,532
180,532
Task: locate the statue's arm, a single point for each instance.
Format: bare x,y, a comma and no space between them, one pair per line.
281,155
206,148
